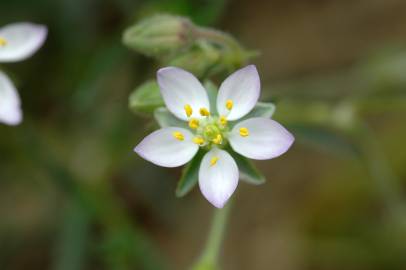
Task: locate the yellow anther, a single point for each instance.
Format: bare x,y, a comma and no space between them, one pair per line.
3,42
204,112
244,132
194,123
178,135
188,110
223,121
229,104
213,161
198,140
218,139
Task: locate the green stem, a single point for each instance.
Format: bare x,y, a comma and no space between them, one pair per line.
235,53
218,37
386,180
210,255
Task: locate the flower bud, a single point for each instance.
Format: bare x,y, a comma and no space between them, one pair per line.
159,35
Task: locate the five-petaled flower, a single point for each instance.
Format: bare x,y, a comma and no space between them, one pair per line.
18,41
185,97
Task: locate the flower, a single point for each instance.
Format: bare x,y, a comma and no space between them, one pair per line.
185,97
18,41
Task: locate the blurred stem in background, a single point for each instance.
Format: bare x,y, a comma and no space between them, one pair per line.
375,84
92,202
386,181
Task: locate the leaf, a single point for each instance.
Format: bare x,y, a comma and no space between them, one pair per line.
211,89
166,119
248,172
146,97
324,139
190,175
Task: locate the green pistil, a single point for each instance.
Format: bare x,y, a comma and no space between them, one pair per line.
209,129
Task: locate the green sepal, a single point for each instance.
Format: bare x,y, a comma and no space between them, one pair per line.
190,175
248,172
166,119
261,109
146,97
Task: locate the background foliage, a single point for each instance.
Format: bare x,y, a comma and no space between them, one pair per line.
74,196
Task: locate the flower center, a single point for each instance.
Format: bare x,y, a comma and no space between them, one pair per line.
3,42
209,131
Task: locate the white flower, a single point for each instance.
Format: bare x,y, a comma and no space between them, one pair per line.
18,41
255,138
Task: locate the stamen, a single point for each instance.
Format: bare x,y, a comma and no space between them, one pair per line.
3,42
244,132
194,123
218,139
223,121
204,112
188,110
198,140
213,161
178,135
229,104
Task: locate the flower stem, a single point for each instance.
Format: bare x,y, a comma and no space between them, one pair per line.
209,257
234,52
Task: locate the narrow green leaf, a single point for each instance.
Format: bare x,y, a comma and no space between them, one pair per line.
212,93
248,172
146,97
166,119
325,139
71,245
190,175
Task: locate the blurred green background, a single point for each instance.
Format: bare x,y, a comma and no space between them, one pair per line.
74,196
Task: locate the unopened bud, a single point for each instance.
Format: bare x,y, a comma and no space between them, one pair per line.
159,35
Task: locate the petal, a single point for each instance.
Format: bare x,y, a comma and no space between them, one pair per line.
22,41
218,181
163,149
242,88
179,88
10,110
267,138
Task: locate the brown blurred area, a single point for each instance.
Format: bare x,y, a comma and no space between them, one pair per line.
319,209
300,37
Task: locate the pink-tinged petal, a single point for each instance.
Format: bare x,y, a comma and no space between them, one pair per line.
22,40
266,138
10,108
180,88
218,177
243,88
163,149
